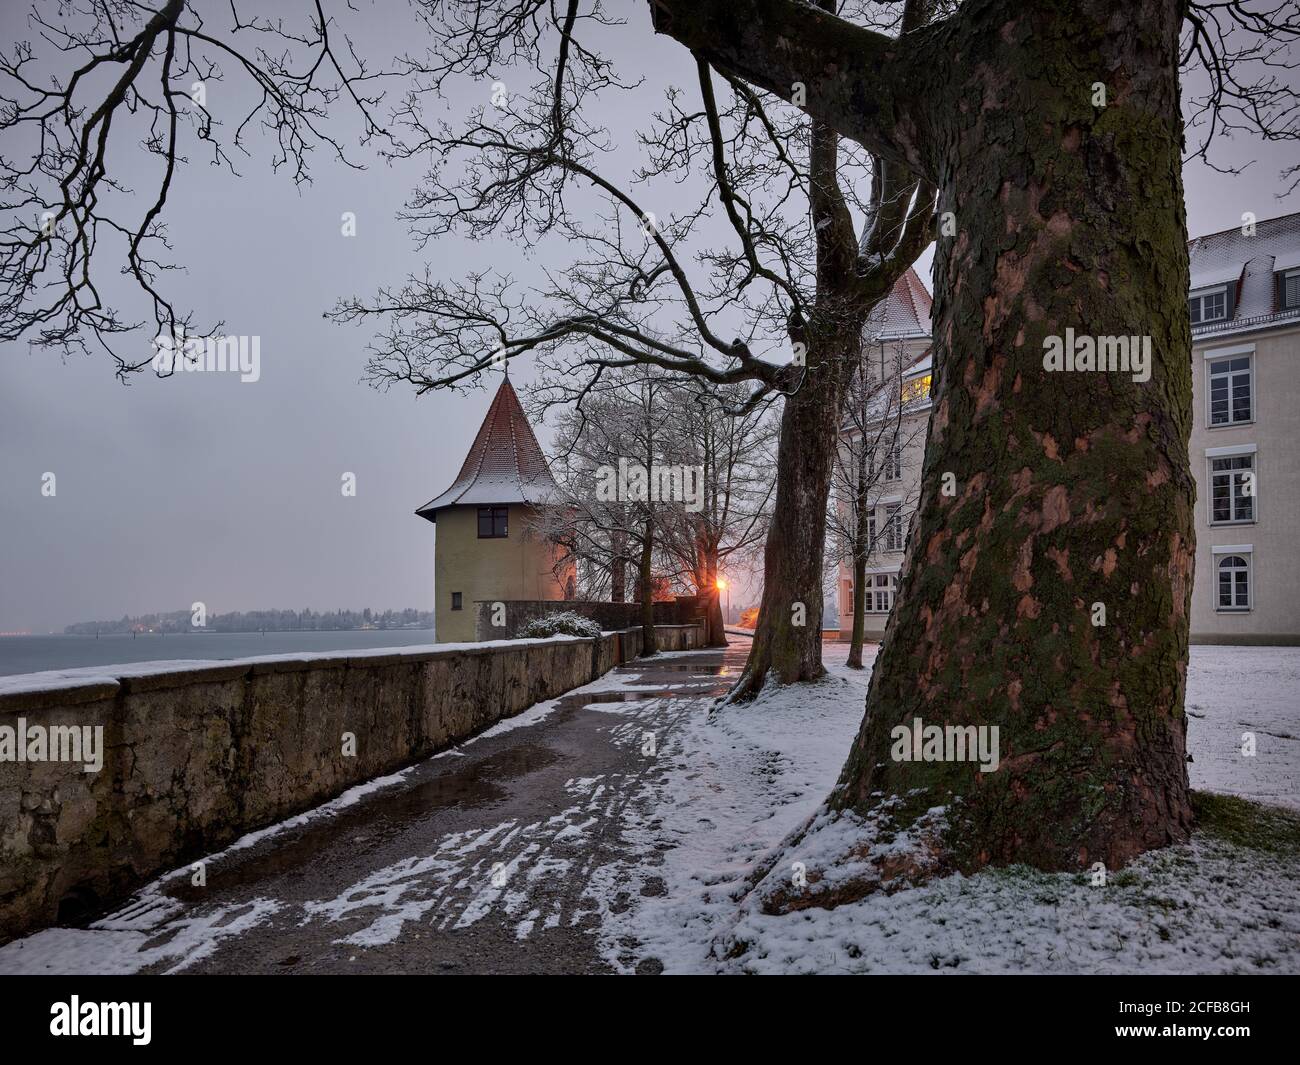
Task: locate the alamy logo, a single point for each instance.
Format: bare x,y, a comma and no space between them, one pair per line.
103,1018
946,743
1104,354
633,483
57,743
241,355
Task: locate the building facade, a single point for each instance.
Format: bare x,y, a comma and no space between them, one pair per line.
486,547
1244,306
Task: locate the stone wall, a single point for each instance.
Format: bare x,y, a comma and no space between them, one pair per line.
681,610
198,755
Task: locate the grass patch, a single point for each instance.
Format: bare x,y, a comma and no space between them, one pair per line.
1247,824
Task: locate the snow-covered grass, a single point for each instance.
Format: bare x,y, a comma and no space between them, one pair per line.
745,777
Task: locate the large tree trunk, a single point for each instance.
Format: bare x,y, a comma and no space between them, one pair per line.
788,633
1073,490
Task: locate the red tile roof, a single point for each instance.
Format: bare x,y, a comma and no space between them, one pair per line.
505,464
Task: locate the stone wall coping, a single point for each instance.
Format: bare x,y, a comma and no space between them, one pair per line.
68,687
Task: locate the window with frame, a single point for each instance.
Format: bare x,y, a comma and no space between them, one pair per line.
894,462
1232,489
1231,399
894,528
493,523
457,601
1208,306
1289,285
1234,582
915,389
881,588
871,528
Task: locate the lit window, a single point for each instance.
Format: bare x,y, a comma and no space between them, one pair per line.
1230,391
1232,489
916,390
1234,582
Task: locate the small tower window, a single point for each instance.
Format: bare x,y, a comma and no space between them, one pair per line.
493,523
457,603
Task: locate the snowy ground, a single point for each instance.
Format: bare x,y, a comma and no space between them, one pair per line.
746,777
596,839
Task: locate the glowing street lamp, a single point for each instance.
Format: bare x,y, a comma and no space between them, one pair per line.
723,586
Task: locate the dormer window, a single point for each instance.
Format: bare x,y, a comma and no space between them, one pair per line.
493,523
1208,306
1288,290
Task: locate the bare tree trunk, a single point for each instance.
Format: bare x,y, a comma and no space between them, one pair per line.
707,586
861,548
859,637
1048,596
618,567
646,581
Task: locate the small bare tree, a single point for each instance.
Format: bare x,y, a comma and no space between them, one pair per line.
733,454
881,429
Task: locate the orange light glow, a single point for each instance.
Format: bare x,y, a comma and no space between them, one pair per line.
721,584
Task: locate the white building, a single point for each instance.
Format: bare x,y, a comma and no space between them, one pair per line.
1245,443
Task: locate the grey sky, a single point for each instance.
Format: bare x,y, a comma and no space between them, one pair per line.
199,487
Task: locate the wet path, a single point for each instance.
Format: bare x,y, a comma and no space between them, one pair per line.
499,856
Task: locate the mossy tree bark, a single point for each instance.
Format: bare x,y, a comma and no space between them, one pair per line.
1072,489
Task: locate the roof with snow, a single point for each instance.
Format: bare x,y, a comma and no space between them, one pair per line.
904,313
504,465
1248,267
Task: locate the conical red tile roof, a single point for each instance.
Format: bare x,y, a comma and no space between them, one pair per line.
504,465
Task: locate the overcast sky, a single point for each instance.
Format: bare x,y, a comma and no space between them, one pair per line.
202,488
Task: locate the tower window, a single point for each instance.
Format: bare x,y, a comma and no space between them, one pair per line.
493,523
457,601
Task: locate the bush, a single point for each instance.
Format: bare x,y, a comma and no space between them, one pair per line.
563,623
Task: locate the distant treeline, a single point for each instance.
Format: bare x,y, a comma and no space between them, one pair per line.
262,620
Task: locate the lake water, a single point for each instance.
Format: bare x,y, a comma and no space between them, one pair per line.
30,654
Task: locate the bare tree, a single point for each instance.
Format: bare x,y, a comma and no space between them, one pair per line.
880,432
791,284
100,79
1053,133
603,528
733,454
